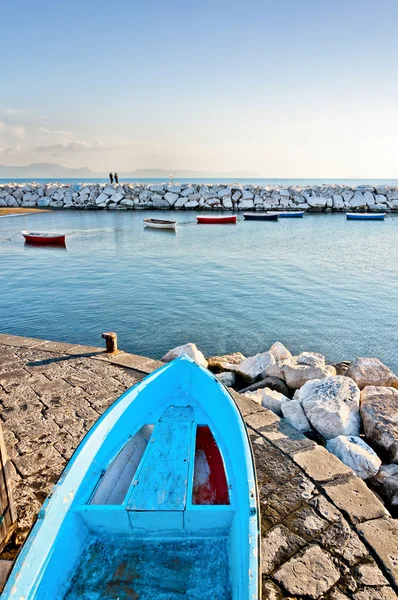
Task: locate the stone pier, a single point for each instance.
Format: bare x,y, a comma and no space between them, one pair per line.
324,533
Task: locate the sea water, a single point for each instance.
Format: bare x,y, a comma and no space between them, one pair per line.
320,283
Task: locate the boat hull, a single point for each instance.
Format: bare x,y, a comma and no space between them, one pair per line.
166,476
53,239
260,216
292,214
216,220
365,216
158,224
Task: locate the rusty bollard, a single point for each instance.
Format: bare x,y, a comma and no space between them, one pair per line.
110,338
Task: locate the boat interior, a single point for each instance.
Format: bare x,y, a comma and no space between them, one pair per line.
158,513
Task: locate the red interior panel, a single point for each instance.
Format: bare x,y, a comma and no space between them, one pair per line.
209,481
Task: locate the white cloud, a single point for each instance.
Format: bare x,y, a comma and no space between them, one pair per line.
54,131
75,146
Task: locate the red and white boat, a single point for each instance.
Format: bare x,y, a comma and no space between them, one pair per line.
34,237
219,219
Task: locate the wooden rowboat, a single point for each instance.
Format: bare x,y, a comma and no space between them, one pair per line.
56,239
160,224
159,501
267,216
292,214
366,216
218,220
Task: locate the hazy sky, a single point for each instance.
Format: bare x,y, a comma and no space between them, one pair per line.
288,88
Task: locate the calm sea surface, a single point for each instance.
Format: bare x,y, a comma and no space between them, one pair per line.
319,283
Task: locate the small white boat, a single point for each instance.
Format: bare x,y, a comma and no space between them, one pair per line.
366,216
160,224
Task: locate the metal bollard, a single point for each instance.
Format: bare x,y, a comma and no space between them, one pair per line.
110,338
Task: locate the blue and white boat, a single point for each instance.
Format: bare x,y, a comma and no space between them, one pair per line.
366,216
291,214
158,502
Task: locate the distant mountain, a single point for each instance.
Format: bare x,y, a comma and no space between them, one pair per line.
50,170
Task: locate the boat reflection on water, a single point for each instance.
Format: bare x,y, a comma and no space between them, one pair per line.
29,246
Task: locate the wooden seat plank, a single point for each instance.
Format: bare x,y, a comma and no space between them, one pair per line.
162,481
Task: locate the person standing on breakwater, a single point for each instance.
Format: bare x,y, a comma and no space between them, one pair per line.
116,177
111,177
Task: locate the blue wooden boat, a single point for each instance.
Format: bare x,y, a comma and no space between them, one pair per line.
267,216
159,502
366,216
291,214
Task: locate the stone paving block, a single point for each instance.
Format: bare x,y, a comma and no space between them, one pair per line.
246,406
382,536
306,523
259,420
355,499
22,396
33,426
65,444
30,464
288,497
325,508
368,573
339,539
320,465
277,545
19,341
51,389
15,376
273,468
286,437
309,573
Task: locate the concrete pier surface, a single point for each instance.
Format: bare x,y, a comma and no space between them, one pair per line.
324,533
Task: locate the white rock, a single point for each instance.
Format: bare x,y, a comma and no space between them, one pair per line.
224,192
180,202
227,378
157,188
254,366
188,191
102,198
236,196
247,195
43,202
191,204
190,350
356,454
272,400
3,202
316,201
117,197
347,195
171,198
332,405
358,201
369,198
338,201
297,370
255,396
246,204
127,202
227,202
279,351
109,191
380,199
175,189
160,202
294,414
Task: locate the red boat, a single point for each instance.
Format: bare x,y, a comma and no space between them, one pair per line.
209,220
54,239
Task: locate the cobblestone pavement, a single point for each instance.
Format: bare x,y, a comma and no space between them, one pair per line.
324,533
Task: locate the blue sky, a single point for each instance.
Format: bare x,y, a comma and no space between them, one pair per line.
289,89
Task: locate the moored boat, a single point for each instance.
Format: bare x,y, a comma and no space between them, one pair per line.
267,216
34,237
218,220
159,501
160,224
366,216
292,214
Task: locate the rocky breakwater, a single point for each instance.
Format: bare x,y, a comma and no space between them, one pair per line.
191,196
350,407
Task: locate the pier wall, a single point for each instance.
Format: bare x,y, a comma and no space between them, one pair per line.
199,196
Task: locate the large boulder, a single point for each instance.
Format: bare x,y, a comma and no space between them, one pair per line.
190,350
297,370
386,482
223,363
371,371
254,367
226,378
294,414
356,454
272,400
279,351
379,412
331,405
